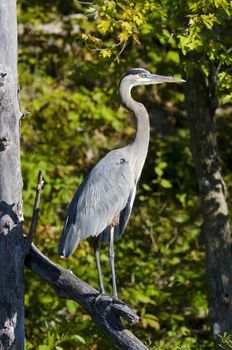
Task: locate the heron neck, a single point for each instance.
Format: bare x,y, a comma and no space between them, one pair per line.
141,140
139,146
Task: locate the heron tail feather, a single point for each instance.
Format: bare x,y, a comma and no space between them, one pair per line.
69,241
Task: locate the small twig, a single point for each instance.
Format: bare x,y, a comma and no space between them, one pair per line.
83,2
35,215
23,115
36,207
122,49
112,47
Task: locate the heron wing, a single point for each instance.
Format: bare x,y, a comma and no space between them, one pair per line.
124,217
103,195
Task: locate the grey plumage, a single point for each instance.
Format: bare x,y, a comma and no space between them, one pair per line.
102,205
103,194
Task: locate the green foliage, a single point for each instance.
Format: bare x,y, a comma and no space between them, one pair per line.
199,31
226,342
71,57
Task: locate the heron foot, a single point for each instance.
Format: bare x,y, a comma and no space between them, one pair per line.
117,301
102,297
125,311
118,306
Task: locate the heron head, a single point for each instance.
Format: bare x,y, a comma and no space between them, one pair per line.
140,76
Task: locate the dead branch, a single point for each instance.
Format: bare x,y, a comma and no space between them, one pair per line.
104,312
35,215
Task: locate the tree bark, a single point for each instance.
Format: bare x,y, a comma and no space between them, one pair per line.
201,105
11,237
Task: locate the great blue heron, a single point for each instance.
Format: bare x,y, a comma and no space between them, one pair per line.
102,204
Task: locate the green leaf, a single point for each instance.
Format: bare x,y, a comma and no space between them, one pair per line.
71,306
159,171
165,183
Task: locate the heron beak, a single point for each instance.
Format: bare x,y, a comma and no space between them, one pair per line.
158,79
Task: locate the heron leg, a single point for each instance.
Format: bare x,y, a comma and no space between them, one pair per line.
97,258
111,256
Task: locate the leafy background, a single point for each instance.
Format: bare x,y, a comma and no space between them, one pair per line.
72,55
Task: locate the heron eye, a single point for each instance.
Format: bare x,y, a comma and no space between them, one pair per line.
141,75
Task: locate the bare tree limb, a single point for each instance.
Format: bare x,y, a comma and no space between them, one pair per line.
35,215
105,313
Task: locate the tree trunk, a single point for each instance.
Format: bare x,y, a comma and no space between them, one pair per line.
201,105
11,237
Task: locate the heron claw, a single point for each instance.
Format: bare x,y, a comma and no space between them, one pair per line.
102,297
106,297
117,301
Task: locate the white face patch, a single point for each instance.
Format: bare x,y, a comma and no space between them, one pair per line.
144,81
